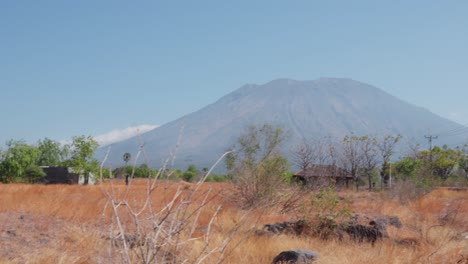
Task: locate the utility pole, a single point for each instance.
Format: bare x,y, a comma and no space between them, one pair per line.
390,175
430,138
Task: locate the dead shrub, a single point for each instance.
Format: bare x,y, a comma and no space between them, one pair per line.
405,191
141,230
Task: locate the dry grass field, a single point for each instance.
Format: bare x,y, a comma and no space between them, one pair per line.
72,224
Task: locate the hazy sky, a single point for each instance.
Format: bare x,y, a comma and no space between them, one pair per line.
90,67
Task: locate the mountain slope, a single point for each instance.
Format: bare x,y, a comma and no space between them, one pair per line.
305,109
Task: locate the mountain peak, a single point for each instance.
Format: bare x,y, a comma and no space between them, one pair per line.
332,107
282,81
322,82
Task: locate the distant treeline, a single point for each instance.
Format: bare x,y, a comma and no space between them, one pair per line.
367,159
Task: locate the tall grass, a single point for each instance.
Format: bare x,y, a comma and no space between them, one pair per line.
434,225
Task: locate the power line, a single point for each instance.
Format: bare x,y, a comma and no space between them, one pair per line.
456,133
456,129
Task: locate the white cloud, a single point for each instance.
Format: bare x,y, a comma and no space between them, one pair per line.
122,134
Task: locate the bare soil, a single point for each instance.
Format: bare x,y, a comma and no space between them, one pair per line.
26,238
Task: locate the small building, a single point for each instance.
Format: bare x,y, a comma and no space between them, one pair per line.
59,175
319,175
63,175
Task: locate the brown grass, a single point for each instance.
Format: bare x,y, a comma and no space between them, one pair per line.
65,225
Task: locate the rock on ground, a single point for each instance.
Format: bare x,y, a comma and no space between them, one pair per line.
298,256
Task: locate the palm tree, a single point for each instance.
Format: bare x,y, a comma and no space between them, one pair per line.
127,157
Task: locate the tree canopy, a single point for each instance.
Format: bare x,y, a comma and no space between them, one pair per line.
22,161
16,159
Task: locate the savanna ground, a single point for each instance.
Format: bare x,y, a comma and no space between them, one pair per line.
72,223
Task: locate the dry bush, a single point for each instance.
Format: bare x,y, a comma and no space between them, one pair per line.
78,239
291,200
407,190
420,240
176,229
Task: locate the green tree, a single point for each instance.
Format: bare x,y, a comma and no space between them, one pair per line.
82,151
443,162
407,167
175,174
190,173
51,152
34,173
328,210
216,178
142,171
256,165
16,159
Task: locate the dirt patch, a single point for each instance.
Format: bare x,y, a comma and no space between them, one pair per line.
34,239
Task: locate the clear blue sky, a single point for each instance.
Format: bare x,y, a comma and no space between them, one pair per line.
88,67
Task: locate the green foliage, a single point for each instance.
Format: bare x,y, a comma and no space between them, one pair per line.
92,166
16,159
328,211
128,170
172,175
288,177
417,175
106,173
443,161
118,172
190,174
34,173
440,163
21,160
175,174
51,152
82,151
407,167
192,168
327,204
256,165
143,171
216,178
